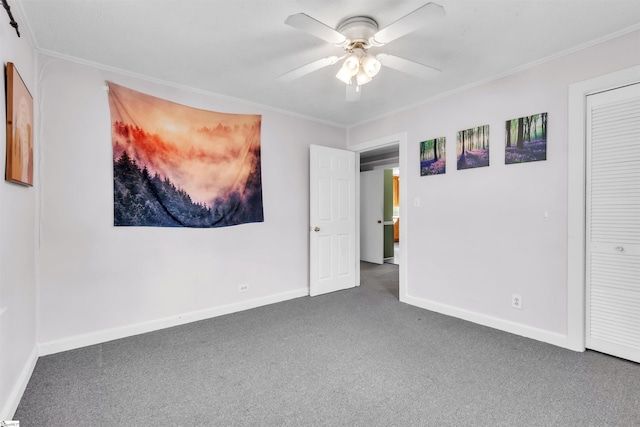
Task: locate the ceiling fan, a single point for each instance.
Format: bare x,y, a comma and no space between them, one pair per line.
356,35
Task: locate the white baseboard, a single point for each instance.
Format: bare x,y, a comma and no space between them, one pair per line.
105,335
19,387
537,334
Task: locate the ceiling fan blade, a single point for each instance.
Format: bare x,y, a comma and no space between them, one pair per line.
413,68
353,93
316,28
306,69
407,24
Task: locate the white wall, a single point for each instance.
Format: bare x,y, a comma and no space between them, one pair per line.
99,282
480,234
17,245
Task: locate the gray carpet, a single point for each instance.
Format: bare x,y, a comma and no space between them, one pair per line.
357,357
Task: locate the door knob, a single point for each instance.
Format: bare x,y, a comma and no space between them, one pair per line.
379,221
316,229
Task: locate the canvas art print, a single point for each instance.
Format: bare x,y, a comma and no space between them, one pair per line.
433,159
526,139
473,147
19,160
178,166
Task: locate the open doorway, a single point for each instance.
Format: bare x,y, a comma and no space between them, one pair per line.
396,216
380,175
378,153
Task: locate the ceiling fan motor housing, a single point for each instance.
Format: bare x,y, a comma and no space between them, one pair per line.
359,29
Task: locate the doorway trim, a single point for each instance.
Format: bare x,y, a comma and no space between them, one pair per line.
576,245
399,139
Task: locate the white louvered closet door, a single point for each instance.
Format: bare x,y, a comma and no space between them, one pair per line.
613,222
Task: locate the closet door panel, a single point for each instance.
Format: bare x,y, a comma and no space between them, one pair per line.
613,222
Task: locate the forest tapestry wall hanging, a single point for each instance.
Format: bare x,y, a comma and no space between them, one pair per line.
178,166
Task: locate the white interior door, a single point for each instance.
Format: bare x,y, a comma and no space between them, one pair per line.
371,216
332,220
613,222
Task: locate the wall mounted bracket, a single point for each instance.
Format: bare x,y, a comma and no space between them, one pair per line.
12,21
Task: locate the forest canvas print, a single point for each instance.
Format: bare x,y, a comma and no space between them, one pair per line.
178,166
433,159
526,139
473,147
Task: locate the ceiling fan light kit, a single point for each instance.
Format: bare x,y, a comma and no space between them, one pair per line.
364,67
356,35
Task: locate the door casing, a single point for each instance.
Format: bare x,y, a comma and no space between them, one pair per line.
399,139
576,235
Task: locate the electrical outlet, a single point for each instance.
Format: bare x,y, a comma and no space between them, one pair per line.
516,301
243,288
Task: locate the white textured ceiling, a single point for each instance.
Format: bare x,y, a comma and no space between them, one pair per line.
237,48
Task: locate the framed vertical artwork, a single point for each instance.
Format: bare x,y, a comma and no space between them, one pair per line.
19,160
526,139
473,147
433,159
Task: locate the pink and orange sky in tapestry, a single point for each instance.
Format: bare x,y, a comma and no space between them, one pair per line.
206,153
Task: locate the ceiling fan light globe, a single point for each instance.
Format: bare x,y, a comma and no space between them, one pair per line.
352,65
371,66
362,78
344,75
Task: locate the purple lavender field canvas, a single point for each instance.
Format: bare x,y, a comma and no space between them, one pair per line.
473,147
526,139
433,156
